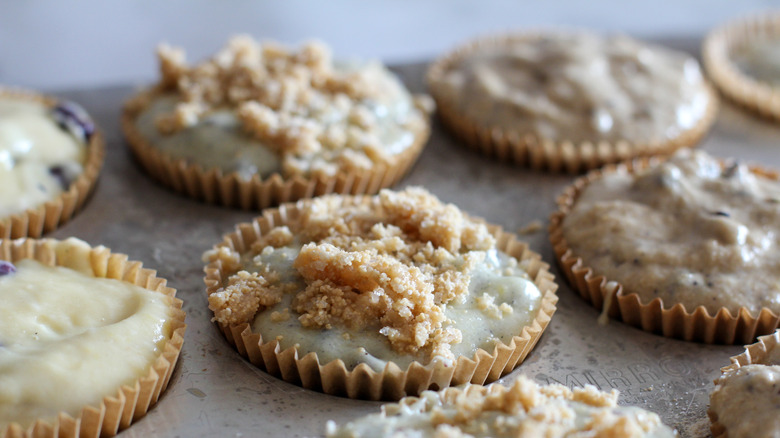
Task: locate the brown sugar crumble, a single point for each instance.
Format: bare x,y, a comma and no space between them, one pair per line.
524,408
318,117
397,260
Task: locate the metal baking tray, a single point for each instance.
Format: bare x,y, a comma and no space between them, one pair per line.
215,392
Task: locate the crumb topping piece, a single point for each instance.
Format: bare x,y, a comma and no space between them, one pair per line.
318,117
396,262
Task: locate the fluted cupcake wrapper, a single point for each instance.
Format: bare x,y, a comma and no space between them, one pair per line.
214,186
753,354
669,320
529,149
751,93
130,402
393,382
47,217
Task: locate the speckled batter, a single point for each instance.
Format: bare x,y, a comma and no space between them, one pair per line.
579,87
687,231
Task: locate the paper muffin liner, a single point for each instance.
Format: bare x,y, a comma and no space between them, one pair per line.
393,382
673,321
44,218
538,153
753,354
214,186
130,402
716,54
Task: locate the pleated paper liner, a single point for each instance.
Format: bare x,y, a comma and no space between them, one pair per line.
669,320
46,217
228,189
753,354
393,382
527,148
130,402
754,94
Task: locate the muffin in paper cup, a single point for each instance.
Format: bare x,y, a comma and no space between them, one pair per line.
527,108
259,124
75,181
522,408
344,367
764,352
720,321
131,398
727,52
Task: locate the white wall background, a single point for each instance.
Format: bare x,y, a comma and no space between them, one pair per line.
56,44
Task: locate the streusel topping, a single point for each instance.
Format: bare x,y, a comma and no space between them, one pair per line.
317,116
522,409
399,261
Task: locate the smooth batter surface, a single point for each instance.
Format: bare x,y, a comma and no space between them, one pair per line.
579,87
687,231
68,339
481,328
525,409
38,159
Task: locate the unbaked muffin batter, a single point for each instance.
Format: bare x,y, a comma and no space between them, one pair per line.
405,278
68,339
746,400
38,158
578,87
760,59
262,109
524,409
688,231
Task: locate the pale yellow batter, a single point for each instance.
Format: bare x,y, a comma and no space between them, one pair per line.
68,339
38,158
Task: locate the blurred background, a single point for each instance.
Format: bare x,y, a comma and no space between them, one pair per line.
59,45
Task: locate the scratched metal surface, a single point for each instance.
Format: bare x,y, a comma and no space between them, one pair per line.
215,392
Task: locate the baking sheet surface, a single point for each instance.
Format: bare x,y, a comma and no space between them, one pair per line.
214,392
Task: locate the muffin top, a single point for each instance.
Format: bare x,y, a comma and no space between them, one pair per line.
43,149
523,409
746,398
577,86
692,229
68,338
395,279
259,109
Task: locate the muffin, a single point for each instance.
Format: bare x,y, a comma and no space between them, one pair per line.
88,340
746,397
568,101
742,59
51,157
523,409
682,247
260,124
369,297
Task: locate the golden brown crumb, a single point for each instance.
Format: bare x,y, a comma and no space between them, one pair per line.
244,295
316,117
